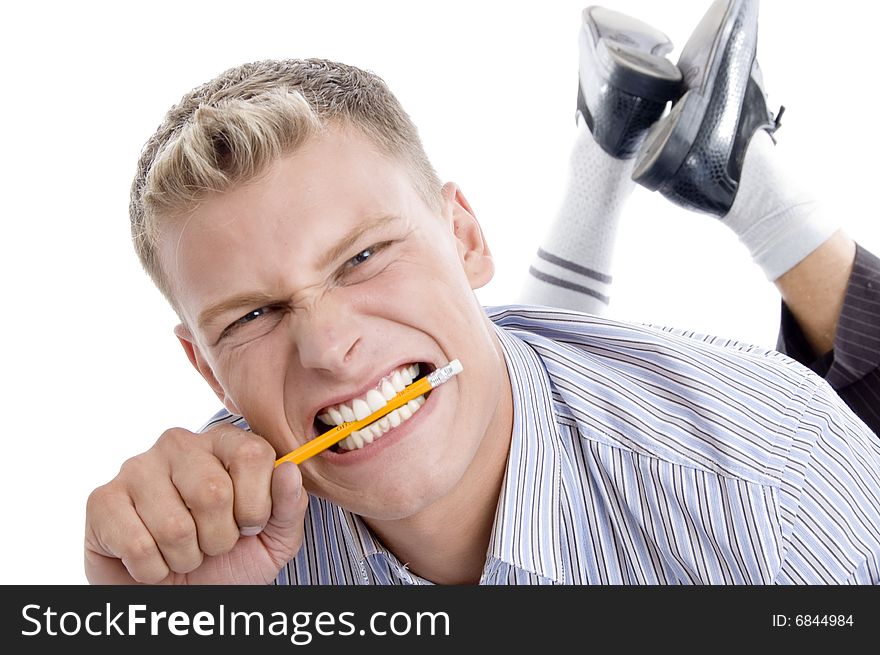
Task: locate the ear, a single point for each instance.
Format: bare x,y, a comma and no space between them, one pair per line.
472,247
194,354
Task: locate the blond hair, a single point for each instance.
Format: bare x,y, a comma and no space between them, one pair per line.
229,130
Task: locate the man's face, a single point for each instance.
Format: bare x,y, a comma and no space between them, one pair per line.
328,277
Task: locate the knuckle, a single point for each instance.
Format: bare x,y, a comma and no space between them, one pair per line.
143,561
145,576
105,503
213,491
221,543
174,529
225,430
140,548
133,468
149,574
99,499
190,562
175,433
254,451
174,438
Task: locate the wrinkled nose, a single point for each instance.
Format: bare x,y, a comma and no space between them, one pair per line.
327,337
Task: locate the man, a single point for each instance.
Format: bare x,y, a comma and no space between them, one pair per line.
288,213
830,286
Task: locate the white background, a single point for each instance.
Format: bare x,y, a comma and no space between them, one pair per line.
91,372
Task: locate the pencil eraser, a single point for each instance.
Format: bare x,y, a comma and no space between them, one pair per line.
455,366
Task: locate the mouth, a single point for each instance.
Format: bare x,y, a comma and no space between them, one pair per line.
359,407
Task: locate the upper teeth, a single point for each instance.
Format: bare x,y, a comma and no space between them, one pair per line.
374,400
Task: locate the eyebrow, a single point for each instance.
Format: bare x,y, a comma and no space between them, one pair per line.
207,317
348,241
338,250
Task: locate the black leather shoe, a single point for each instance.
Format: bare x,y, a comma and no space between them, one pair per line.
625,79
694,155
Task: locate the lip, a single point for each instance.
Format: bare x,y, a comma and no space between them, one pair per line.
390,438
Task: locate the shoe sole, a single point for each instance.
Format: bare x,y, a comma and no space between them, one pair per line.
669,142
628,55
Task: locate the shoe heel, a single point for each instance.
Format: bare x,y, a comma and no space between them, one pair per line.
625,81
629,54
667,144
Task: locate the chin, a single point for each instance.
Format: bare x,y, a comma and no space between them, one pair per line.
403,500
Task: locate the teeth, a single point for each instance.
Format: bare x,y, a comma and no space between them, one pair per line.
388,391
335,417
375,400
397,381
361,409
357,439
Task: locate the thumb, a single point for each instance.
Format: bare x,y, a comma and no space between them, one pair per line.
283,534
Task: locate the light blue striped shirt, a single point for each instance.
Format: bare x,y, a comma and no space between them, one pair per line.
642,455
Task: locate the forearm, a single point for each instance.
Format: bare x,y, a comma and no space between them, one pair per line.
814,290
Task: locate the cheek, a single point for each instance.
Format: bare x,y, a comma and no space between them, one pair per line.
253,374
435,300
430,283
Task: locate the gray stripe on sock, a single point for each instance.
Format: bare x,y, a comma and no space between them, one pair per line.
571,266
565,284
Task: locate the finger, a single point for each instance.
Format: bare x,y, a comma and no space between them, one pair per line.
119,548
283,533
164,512
250,461
206,490
101,569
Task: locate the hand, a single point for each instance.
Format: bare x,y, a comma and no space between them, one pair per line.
196,509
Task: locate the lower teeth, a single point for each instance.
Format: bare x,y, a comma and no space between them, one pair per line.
358,439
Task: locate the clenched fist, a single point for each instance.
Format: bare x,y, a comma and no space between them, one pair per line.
206,508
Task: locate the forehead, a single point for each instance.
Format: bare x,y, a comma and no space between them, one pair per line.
297,209
334,173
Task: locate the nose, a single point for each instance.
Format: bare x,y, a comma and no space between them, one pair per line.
327,335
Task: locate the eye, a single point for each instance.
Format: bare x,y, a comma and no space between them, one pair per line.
246,321
357,262
250,316
361,257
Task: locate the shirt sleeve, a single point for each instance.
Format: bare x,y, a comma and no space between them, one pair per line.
856,353
852,368
829,498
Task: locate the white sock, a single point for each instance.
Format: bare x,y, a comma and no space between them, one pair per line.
772,215
572,268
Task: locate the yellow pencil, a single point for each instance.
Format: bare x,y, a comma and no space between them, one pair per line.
340,432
